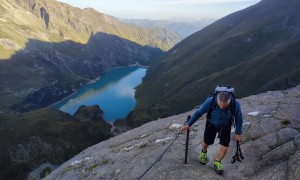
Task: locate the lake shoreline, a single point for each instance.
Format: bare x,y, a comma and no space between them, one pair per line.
114,94
95,80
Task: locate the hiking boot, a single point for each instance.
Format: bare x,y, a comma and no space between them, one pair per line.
203,157
218,167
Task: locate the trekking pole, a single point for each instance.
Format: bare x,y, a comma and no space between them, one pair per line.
238,153
187,141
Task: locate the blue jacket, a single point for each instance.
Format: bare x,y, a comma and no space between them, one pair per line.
219,117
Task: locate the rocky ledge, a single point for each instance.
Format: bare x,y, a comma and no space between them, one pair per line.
271,147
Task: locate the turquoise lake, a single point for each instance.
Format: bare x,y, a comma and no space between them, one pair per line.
113,92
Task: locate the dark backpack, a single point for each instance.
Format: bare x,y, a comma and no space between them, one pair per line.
213,105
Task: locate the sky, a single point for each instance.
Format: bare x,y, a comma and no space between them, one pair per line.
164,9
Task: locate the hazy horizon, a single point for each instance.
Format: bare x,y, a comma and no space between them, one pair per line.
164,9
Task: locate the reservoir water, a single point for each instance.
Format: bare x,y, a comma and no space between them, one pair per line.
114,93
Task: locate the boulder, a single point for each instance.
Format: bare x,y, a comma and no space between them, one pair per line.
271,147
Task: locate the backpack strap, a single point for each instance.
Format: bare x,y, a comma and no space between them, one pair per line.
212,106
232,110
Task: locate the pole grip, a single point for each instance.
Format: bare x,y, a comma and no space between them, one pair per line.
187,142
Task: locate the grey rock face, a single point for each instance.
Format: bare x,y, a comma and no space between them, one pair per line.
294,166
271,147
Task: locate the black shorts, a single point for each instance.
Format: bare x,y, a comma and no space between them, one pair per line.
223,134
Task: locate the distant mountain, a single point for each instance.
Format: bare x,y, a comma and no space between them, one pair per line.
254,50
52,21
50,49
182,27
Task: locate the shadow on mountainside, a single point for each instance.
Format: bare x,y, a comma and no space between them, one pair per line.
45,72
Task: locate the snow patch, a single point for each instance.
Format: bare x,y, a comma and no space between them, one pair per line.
127,149
141,144
255,113
163,140
175,126
142,136
81,160
246,123
76,162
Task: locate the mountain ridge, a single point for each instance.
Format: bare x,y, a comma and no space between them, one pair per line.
59,71
58,48
64,22
249,50
182,27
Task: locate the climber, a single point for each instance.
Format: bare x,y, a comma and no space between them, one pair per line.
222,111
